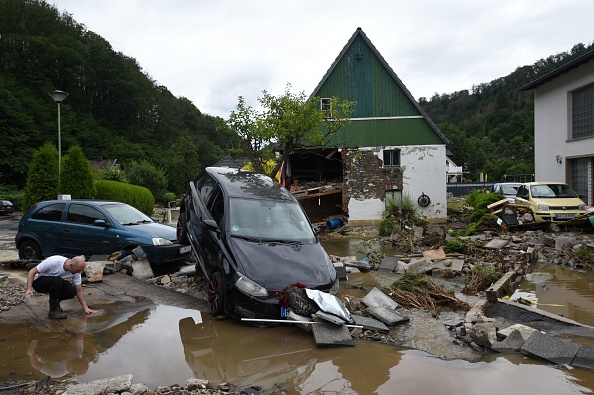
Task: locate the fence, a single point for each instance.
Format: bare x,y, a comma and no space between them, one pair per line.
457,189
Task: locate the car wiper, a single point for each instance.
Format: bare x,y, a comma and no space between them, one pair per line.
285,242
131,223
247,238
144,221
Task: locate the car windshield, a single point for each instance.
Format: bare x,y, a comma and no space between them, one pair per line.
561,191
125,214
509,189
269,220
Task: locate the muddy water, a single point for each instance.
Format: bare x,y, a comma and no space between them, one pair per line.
162,345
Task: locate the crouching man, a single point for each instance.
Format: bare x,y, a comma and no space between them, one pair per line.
51,276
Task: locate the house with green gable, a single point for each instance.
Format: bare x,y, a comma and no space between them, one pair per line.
390,149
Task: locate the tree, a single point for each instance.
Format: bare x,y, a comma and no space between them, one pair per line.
77,177
290,120
147,175
42,180
184,164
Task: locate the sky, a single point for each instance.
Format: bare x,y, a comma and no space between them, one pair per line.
214,51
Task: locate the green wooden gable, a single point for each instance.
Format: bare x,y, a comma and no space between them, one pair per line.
386,113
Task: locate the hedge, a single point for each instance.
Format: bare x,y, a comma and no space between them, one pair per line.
134,195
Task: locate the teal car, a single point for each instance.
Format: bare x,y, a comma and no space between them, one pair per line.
95,227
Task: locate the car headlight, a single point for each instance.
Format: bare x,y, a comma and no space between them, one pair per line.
582,207
249,287
543,207
159,241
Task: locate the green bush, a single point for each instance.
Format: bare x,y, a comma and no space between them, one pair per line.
134,195
456,245
146,174
169,197
42,175
16,197
480,218
77,178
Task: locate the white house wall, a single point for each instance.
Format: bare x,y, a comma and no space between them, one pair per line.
552,123
423,170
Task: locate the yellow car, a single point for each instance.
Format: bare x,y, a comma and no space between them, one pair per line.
550,201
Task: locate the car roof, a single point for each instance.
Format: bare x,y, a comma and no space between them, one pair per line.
247,184
544,182
93,201
508,183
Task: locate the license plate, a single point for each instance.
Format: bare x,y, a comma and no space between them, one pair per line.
185,249
564,216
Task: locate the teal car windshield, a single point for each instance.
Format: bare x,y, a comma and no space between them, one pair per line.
268,219
125,214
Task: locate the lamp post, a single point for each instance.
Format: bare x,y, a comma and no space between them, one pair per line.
59,97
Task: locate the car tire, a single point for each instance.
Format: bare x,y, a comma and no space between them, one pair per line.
182,230
216,293
29,251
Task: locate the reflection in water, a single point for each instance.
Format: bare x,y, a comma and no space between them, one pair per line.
162,345
58,359
563,291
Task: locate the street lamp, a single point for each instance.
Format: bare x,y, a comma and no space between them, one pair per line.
59,97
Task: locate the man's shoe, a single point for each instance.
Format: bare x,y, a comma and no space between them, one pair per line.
56,315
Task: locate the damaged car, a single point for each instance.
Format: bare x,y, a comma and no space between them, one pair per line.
550,201
252,240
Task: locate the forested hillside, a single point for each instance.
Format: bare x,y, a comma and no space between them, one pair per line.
114,110
492,127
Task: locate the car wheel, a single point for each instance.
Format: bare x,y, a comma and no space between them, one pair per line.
29,251
216,293
182,230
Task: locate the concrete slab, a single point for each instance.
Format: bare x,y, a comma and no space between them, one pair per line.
387,316
584,358
524,330
388,264
550,348
563,241
496,244
376,298
511,344
370,323
332,335
189,270
142,269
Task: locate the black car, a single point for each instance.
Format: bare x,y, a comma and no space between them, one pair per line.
95,227
252,240
6,207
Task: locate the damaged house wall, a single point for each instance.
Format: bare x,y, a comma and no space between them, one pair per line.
368,183
389,147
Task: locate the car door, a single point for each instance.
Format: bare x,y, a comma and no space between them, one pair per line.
80,235
45,225
204,240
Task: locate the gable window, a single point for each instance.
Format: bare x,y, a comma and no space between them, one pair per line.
391,158
582,112
326,104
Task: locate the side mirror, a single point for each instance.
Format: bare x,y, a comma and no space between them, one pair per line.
212,225
101,223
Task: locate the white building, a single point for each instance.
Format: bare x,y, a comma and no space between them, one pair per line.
564,125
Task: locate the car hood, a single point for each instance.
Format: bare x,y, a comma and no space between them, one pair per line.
275,266
558,202
153,229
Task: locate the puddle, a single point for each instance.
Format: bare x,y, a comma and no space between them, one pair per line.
162,345
355,247
563,291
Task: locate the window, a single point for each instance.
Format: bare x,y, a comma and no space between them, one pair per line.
392,196
326,104
582,112
81,214
580,176
52,212
205,187
391,158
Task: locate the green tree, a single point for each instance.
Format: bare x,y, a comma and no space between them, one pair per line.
77,177
184,164
42,180
145,174
290,120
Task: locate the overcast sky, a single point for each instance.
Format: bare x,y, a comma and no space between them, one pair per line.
214,51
